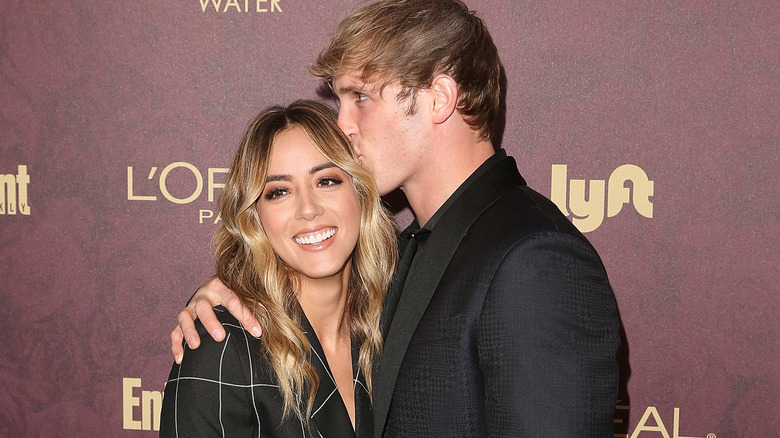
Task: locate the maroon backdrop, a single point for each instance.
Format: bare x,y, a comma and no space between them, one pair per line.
654,125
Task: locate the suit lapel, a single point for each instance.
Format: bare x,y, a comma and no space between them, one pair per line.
393,291
432,262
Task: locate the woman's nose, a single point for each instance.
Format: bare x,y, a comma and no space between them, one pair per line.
309,205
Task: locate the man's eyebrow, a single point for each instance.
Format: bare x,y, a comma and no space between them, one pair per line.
346,89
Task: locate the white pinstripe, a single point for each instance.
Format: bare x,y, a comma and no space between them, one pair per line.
251,385
325,367
221,360
252,381
176,401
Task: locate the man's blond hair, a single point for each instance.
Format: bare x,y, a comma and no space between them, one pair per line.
412,41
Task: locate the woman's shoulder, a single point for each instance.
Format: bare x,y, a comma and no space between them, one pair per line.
238,344
218,385
228,321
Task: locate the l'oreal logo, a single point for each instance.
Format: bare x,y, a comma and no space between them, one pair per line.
148,190
652,425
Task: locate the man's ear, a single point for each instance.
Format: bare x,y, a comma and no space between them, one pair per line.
444,98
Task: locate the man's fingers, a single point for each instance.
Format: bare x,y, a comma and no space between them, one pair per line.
187,327
236,308
211,294
205,312
177,349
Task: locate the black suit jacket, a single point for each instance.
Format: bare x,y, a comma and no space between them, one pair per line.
508,326
228,389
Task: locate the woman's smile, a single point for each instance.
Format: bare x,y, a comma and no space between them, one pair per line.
315,237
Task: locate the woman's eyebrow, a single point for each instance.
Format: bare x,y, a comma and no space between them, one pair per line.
272,178
320,167
312,171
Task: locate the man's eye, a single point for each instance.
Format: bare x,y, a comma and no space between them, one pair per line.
361,97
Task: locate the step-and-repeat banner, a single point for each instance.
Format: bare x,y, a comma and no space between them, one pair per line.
655,126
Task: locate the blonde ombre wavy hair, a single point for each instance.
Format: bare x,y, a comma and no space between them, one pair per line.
247,264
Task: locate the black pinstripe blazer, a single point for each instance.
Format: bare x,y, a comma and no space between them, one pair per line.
228,389
507,326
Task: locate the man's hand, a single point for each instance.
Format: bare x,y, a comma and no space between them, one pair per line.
212,293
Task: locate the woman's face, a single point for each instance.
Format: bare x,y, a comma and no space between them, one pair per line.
309,208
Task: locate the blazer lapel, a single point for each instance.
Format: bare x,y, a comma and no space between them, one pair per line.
364,415
433,260
329,413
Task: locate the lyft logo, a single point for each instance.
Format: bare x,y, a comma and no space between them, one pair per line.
628,184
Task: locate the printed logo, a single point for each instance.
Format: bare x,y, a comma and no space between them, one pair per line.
588,209
651,421
260,6
150,403
190,185
13,192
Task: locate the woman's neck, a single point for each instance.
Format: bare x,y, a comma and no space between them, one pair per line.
323,301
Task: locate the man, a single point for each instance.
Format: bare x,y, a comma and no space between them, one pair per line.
504,323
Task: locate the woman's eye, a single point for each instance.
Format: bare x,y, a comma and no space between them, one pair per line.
328,182
275,193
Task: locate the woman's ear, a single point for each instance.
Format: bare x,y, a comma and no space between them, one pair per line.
444,97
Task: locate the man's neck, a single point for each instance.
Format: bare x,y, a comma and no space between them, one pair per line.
430,190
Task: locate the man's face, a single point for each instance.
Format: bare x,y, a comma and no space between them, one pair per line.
389,142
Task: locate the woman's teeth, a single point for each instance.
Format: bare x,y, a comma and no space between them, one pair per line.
315,238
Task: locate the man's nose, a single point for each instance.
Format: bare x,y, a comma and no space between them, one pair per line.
346,123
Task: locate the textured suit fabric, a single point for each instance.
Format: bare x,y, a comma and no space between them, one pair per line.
506,327
229,389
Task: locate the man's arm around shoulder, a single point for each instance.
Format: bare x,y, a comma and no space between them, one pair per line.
211,294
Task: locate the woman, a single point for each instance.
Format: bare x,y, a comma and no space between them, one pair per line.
306,244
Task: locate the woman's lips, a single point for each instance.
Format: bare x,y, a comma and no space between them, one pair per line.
315,237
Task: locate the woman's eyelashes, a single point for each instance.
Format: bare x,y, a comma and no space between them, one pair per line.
272,193
329,181
275,193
